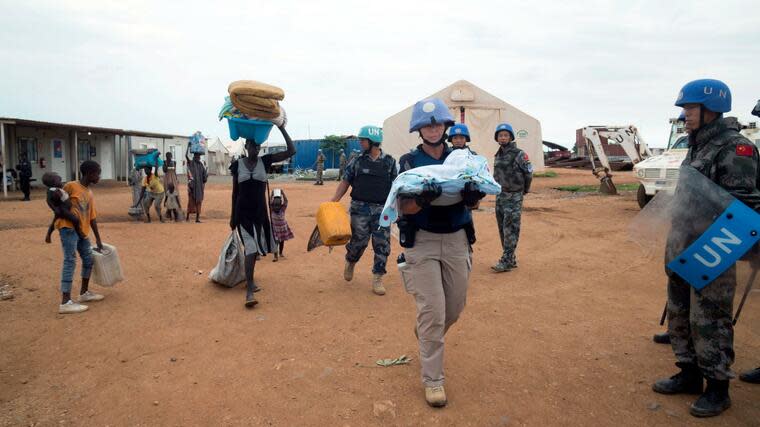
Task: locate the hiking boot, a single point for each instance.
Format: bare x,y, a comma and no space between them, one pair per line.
752,376
348,271
377,284
713,401
688,381
90,296
663,338
71,307
501,267
436,396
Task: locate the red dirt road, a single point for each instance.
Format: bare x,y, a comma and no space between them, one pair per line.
563,340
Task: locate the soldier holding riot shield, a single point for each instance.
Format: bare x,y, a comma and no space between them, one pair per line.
700,317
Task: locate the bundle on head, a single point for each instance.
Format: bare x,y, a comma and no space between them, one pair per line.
256,99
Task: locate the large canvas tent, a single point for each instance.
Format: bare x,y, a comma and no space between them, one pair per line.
219,158
481,112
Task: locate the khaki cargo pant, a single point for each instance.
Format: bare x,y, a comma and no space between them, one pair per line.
436,273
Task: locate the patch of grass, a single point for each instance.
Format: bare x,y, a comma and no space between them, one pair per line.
595,188
578,188
545,174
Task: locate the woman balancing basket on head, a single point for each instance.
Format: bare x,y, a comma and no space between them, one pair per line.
250,196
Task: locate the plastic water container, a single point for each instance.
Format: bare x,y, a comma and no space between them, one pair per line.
106,270
257,130
333,223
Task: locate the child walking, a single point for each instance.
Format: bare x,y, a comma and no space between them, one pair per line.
59,202
83,207
278,203
171,203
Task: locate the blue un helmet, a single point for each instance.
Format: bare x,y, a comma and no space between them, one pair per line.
459,129
373,133
503,126
429,112
712,94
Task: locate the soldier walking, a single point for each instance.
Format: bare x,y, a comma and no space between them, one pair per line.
320,167
437,261
342,162
700,322
370,176
513,171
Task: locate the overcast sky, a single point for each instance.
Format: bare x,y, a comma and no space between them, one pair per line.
165,66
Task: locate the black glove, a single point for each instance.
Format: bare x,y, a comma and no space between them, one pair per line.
471,194
430,192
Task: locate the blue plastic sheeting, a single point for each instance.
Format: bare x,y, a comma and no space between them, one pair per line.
306,154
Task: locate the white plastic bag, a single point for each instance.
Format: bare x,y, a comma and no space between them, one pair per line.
230,268
106,270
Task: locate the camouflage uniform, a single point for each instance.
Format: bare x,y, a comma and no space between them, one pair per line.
514,172
320,168
699,322
366,208
342,163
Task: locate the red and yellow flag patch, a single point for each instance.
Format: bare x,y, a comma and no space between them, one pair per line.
744,150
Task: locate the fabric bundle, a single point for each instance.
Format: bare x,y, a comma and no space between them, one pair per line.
256,100
460,167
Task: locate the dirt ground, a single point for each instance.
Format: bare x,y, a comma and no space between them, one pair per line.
563,340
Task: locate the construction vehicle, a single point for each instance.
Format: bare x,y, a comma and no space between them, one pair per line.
627,137
660,173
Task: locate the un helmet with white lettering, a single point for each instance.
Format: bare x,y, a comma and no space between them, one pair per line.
373,133
712,94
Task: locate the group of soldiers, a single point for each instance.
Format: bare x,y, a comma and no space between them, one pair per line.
437,240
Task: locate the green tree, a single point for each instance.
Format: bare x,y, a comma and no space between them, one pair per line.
333,144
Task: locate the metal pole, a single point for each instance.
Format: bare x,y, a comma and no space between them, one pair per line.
5,160
746,292
76,157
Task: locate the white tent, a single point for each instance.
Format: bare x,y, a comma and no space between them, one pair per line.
481,112
218,157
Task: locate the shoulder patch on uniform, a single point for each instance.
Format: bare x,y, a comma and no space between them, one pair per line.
525,157
744,150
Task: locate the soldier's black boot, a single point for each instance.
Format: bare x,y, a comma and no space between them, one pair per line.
688,381
663,338
752,376
713,401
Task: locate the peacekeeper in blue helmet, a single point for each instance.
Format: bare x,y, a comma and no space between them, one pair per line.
459,136
370,176
753,375
699,322
514,172
437,262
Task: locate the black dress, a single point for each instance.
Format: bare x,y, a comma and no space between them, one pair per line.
250,210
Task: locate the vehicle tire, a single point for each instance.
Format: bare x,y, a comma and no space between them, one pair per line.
642,197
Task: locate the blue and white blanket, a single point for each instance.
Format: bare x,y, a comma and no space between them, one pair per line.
459,168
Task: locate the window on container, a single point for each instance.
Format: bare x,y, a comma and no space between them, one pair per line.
28,147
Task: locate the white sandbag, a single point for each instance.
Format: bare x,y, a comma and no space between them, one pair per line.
106,270
230,268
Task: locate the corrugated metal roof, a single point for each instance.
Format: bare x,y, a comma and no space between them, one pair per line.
85,128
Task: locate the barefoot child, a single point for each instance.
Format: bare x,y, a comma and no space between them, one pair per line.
83,207
278,203
171,203
59,202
